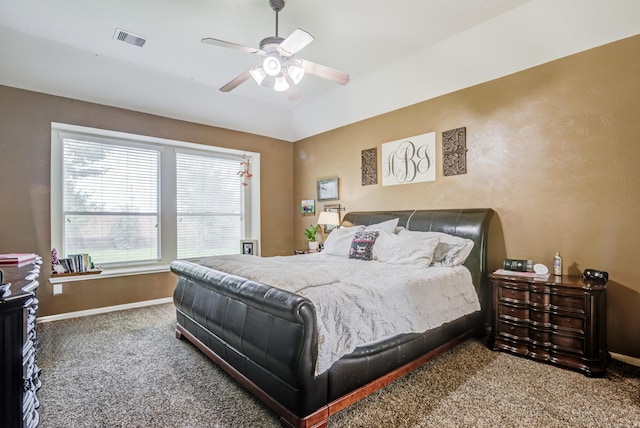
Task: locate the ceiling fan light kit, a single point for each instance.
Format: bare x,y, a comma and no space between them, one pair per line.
271,66
279,70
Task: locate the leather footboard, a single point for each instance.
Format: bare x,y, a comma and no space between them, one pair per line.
265,334
285,393
368,363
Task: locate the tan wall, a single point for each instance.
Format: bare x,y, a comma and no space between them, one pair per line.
553,149
25,154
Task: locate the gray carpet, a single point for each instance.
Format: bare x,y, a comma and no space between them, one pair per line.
126,369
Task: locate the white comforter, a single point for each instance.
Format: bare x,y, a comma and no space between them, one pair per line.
358,302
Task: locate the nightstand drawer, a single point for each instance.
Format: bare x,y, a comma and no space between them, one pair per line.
568,343
513,311
569,302
540,317
513,330
566,322
514,294
539,299
539,337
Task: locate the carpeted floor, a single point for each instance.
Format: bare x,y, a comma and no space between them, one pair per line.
126,369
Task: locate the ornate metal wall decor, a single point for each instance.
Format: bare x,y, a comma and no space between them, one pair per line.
454,151
409,160
370,166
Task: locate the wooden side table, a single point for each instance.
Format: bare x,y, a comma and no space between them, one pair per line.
560,320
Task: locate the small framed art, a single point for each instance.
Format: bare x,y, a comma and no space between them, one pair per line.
249,247
328,189
308,207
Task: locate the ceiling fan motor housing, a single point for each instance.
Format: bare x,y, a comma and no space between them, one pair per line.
276,5
270,44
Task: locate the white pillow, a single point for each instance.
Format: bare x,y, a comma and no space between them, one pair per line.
339,240
405,249
386,226
451,250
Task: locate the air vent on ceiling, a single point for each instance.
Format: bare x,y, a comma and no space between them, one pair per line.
132,39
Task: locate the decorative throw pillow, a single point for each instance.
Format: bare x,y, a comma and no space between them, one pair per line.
362,244
338,242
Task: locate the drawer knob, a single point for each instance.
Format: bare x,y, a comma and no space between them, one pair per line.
568,320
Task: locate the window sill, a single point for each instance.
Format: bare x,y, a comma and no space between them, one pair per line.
111,273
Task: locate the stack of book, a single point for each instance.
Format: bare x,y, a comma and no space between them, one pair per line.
16,258
77,263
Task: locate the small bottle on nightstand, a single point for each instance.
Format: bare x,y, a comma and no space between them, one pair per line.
557,264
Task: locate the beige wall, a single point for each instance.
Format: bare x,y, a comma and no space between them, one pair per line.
25,152
554,150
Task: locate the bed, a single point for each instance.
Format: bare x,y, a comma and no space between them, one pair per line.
271,339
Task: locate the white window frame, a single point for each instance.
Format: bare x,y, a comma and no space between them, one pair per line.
168,235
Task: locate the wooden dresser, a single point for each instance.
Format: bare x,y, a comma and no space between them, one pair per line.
18,369
560,320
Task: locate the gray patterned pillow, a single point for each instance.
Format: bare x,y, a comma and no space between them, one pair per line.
362,244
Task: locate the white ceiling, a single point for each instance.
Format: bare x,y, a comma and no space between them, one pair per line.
397,52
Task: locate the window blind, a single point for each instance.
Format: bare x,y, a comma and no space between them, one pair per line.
209,204
110,201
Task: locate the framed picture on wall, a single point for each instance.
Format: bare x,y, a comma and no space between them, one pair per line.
308,207
328,189
249,247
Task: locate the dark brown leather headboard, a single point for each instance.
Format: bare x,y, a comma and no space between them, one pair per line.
471,223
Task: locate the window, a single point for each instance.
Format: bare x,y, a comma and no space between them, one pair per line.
210,205
132,200
110,201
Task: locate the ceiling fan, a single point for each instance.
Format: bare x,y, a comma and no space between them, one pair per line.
280,70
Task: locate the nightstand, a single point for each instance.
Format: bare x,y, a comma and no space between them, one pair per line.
560,320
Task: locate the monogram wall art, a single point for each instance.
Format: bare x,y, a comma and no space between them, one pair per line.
409,160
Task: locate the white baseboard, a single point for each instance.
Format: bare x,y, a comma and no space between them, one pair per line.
104,310
626,359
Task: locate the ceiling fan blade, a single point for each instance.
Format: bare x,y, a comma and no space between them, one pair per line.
236,82
325,72
295,42
212,41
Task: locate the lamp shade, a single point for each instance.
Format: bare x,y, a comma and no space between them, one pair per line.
329,218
